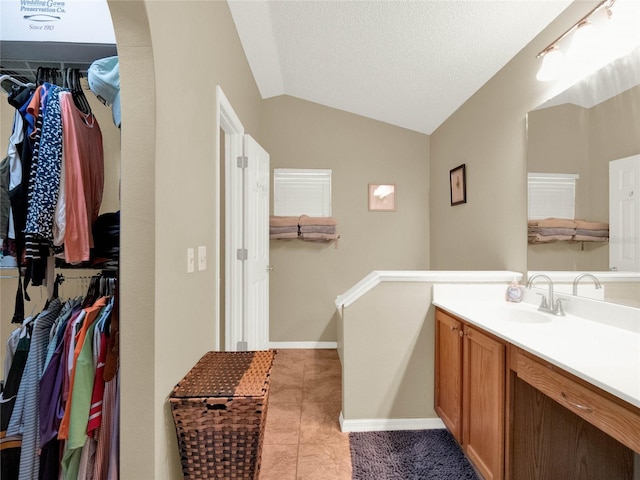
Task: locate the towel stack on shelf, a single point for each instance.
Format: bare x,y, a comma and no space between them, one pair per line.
563,229
591,231
283,227
551,230
317,229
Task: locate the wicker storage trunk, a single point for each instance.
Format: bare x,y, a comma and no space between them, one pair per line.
219,409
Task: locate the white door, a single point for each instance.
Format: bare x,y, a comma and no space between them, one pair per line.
624,214
246,235
256,234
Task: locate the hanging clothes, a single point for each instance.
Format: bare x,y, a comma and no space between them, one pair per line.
74,423
25,415
62,418
10,445
46,174
84,179
55,178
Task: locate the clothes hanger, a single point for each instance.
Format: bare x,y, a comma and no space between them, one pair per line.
72,80
15,81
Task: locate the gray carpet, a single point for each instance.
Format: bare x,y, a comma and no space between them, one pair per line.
408,455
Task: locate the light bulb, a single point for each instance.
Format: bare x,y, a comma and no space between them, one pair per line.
584,39
552,65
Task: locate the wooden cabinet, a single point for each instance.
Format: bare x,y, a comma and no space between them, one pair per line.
448,362
483,413
573,429
519,417
470,391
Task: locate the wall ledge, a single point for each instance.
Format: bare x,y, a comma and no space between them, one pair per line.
389,424
432,276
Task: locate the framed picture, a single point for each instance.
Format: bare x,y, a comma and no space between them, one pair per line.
382,197
458,185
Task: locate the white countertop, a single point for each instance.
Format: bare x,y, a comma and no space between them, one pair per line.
596,341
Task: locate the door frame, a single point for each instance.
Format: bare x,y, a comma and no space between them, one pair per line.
230,124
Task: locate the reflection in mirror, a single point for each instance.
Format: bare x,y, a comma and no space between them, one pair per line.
580,132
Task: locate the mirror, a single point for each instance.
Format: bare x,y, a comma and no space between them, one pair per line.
579,132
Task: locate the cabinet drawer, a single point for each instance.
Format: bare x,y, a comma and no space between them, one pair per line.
616,420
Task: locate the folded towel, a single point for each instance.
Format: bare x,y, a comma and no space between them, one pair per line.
592,233
306,220
552,231
537,238
319,237
277,221
589,238
292,228
317,229
584,224
553,223
281,236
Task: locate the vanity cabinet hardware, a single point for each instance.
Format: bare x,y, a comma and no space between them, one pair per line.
584,408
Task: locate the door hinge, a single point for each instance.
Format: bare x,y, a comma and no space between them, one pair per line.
242,254
243,162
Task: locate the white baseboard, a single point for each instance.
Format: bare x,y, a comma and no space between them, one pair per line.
385,424
303,345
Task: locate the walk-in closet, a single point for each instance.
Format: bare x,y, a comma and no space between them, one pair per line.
59,238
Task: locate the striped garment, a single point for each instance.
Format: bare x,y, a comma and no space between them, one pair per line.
25,418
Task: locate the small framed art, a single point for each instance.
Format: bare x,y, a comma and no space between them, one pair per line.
382,197
458,185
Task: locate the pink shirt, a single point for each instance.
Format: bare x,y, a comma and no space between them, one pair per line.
84,178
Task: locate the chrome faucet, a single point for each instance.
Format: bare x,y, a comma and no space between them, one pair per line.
553,306
580,277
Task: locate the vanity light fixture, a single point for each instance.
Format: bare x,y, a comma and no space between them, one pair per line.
584,38
552,64
598,33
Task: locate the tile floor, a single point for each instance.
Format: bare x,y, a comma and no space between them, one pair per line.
302,439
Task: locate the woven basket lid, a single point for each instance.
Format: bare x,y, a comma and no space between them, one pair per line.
227,374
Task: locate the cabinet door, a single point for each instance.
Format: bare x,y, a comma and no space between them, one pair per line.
448,362
483,408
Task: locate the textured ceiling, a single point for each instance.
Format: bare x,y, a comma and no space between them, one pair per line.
407,63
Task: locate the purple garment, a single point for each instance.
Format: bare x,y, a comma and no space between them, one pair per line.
51,411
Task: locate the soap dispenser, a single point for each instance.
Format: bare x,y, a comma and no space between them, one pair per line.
514,291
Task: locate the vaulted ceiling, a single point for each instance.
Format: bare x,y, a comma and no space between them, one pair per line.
407,63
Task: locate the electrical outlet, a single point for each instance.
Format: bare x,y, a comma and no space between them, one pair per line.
202,258
191,260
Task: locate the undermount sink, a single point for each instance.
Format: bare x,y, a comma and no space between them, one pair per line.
520,313
528,316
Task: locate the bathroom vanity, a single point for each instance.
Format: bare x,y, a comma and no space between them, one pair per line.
531,395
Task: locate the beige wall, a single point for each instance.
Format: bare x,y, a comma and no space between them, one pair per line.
387,359
172,56
613,134
308,276
488,134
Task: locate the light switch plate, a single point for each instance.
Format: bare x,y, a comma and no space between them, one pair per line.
202,257
190,260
